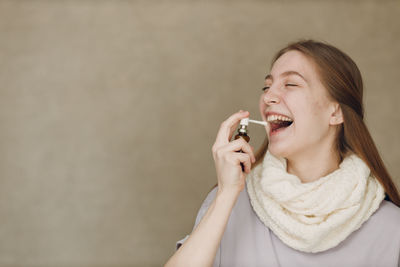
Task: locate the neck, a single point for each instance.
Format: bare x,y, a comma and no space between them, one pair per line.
313,165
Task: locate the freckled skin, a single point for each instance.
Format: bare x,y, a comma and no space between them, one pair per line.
307,103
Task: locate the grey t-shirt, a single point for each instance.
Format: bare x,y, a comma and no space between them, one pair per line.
248,242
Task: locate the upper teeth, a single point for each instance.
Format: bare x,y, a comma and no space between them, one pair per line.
278,117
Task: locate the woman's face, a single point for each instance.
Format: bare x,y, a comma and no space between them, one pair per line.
294,90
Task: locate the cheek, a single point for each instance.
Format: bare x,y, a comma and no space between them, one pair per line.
262,106
311,113
319,107
312,103
316,119
322,112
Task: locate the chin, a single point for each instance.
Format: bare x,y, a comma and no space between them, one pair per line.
279,149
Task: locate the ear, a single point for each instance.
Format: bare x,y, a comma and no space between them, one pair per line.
336,115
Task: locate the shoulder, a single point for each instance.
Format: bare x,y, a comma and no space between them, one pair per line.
387,218
210,196
205,205
388,212
241,208
381,232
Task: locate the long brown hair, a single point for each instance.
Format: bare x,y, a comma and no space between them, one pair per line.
342,79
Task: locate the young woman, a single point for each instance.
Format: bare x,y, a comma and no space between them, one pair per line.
314,194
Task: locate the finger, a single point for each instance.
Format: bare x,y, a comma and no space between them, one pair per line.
229,126
246,148
245,159
236,145
237,158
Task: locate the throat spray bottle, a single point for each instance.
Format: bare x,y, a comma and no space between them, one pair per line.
242,131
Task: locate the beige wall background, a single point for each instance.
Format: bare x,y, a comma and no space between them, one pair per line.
109,110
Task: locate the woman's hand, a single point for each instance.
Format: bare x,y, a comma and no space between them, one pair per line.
202,245
227,160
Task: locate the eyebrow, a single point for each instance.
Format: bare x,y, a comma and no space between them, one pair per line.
287,73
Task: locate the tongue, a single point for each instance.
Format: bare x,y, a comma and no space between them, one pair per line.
276,126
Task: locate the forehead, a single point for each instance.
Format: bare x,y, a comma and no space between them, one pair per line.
295,61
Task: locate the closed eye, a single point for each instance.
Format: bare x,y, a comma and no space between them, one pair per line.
288,84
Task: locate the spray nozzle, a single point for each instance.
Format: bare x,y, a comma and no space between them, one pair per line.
246,121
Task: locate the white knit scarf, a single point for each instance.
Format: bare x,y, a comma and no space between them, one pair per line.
314,216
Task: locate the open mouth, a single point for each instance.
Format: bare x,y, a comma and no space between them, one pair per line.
278,122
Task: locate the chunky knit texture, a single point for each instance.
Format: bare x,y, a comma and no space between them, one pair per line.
315,216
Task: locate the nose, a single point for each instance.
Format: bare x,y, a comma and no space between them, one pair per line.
271,98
